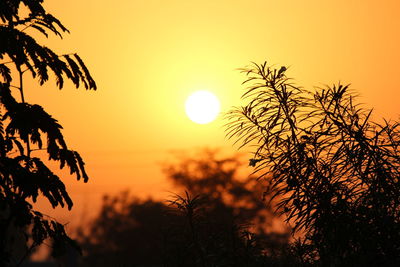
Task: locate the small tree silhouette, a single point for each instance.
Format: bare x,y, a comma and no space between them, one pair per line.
24,128
337,171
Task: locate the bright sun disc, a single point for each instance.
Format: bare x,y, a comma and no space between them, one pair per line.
202,107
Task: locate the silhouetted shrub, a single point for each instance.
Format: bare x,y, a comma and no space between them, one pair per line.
336,169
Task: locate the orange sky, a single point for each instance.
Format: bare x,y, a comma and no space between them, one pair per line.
147,56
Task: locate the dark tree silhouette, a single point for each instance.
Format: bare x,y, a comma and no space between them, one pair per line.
25,128
219,221
127,232
337,170
234,203
218,179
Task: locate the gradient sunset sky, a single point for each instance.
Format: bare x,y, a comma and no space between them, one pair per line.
147,56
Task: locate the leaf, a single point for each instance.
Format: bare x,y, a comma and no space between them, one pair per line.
5,73
19,145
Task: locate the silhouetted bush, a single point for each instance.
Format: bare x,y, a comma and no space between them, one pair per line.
336,169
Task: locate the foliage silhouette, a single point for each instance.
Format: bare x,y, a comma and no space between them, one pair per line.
24,128
336,169
126,230
192,229
207,174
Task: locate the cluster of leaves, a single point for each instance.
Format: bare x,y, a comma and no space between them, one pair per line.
25,128
27,54
337,171
219,220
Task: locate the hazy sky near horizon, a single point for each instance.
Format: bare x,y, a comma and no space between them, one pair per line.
147,56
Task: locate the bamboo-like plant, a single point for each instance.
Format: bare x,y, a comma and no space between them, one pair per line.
336,169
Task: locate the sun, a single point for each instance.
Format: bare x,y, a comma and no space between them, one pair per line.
202,107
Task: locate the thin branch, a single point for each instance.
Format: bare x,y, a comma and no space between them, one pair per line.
21,89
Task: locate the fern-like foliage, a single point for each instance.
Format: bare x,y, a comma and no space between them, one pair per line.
25,128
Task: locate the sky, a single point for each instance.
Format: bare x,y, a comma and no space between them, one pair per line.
147,56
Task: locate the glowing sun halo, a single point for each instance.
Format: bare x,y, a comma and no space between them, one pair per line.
202,107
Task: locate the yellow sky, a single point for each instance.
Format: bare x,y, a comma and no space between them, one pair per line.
147,56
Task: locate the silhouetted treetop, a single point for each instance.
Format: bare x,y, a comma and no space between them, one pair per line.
28,55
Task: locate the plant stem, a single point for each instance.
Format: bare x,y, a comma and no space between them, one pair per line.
21,90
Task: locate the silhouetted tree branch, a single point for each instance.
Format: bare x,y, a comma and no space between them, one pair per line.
24,127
